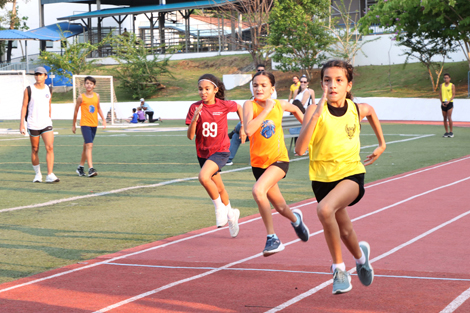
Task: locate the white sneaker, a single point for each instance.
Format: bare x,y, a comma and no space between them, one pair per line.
221,217
52,178
37,178
233,223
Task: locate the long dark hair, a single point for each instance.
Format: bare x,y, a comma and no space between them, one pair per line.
221,93
268,75
348,71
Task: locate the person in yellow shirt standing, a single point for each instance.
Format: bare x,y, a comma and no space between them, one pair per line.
294,87
330,131
269,157
446,95
89,103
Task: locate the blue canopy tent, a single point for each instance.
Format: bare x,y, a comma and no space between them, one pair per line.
52,32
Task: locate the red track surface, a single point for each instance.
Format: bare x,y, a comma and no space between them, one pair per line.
403,218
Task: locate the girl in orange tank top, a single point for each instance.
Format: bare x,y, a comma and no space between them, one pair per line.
269,157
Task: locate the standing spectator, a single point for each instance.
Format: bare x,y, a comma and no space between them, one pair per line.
447,94
294,87
148,111
36,110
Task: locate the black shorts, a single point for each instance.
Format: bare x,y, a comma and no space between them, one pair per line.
258,171
219,158
38,132
449,106
322,189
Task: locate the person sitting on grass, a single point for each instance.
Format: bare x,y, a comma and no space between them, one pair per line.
133,118
140,115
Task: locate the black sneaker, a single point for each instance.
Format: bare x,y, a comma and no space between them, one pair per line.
445,135
80,171
92,172
301,230
273,245
451,135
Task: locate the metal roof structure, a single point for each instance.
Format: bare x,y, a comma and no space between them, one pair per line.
179,6
54,32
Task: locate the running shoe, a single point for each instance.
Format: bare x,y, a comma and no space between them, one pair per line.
445,135
80,171
365,272
221,217
229,163
301,230
92,172
233,223
451,134
341,282
37,178
51,178
273,245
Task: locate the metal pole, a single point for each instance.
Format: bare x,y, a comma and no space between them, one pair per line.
112,101
468,82
198,33
26,52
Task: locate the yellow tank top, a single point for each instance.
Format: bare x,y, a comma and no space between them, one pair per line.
446,92
89,111
267,144
335,145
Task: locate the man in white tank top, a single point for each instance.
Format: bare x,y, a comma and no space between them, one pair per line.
36,110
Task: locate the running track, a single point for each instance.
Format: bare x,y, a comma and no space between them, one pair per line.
416,224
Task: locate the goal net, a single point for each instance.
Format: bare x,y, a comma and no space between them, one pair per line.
12,86
105,88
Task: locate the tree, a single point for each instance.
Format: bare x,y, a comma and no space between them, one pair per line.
348,41
13,21
423,19
73,59
299,34
255,14
138,72
425,52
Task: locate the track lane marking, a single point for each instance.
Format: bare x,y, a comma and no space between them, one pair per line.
317,288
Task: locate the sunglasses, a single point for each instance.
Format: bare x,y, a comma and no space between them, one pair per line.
38,74
303,82
260,70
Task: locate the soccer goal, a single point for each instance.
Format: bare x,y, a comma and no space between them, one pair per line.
105,88
12,86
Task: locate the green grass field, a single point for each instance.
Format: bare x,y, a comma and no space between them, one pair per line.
37,239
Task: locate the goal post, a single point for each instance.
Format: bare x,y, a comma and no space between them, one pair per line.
104,87
12,86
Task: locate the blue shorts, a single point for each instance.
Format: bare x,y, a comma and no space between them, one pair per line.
219,158
88,133
37,133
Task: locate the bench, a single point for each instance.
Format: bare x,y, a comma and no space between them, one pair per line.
293,126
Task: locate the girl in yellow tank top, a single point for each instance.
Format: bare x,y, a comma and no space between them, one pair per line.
269,157
331,133
446,95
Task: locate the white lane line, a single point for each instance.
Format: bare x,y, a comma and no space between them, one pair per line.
187,238
329,282
454,305
104,193
242,269
314,290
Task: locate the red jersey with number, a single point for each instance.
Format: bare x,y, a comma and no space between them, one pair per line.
211,127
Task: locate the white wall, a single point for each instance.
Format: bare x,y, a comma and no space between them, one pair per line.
388,109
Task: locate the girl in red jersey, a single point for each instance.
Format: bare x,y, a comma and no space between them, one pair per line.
269,157
207,119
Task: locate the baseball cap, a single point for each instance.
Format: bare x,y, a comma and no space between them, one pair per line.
142,99
40,70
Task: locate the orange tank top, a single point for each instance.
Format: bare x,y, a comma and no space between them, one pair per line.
267,144
89,111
